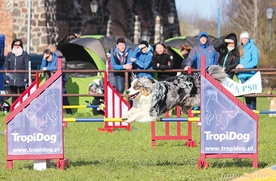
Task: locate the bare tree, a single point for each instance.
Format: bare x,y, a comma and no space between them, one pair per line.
247,15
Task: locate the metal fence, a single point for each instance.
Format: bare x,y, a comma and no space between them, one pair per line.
268,74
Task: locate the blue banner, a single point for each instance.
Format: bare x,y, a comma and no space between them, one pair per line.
38,128
226,128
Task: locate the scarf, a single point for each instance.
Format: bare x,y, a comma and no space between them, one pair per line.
17,51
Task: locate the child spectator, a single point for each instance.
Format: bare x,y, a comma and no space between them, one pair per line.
96,87
185,50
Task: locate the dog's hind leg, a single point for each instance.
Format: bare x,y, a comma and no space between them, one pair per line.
145,118
141,117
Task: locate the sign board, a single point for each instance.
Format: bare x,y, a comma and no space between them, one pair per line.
251,86
37,130
225,127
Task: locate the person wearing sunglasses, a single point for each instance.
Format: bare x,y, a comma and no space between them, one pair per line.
49,64
17,59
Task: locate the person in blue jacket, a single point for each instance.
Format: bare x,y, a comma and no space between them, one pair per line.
120,61
49,64
203,48
249,58
141,59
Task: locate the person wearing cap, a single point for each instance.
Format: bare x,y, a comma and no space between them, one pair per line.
141,59
229,56
202,49
162,60
17,59
249,58
119,58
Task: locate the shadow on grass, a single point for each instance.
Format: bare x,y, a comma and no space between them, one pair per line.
182,162
83,163
236,163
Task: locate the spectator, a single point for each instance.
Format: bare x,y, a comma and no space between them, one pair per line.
17,59
162,60
185,51
249,58
49,64
229,55
97,87
111,77
141,59
119,61
203,48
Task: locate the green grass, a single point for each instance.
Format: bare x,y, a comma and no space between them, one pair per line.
126,155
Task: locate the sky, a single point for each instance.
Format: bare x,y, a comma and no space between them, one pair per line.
204,8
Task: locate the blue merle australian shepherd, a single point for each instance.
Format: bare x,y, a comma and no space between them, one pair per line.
152,98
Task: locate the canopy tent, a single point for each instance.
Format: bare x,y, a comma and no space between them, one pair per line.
85,53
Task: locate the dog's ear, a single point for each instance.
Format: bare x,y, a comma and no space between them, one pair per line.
152,80
133,76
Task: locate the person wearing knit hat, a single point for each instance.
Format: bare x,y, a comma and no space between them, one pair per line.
244,34
229,56
249,58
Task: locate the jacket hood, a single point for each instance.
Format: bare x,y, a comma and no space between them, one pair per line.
232,36
249,44
199,36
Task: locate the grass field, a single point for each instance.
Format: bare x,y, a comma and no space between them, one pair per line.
127,156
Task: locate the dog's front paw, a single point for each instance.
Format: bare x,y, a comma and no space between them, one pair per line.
125,117
128,121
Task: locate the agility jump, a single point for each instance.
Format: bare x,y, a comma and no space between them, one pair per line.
99,120
51,91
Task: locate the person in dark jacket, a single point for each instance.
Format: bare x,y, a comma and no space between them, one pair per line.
162,60
229,55
17,59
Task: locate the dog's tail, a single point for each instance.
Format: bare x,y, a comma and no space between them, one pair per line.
217,72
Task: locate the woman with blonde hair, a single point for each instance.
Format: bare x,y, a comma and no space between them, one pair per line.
249,58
